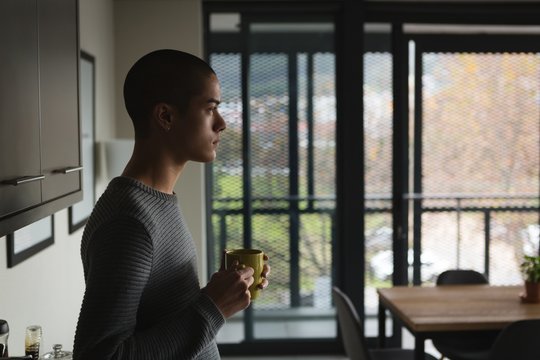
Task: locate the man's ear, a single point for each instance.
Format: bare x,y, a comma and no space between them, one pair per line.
162,115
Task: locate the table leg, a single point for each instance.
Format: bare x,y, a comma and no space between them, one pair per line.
382,325
419,351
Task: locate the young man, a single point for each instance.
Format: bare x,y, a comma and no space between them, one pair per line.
142,298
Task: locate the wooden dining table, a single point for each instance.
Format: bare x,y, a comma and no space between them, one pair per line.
436,310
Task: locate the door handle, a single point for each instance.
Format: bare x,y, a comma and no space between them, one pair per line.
23,180
69,169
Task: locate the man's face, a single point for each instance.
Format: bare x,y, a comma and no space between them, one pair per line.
196,132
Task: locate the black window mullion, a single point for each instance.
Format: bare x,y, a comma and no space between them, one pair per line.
310,132
400,158
349,251
487,236
417,209
247,193
294,216
400,161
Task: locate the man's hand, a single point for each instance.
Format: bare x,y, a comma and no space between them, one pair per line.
229,289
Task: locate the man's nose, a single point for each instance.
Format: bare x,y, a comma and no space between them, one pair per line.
220,123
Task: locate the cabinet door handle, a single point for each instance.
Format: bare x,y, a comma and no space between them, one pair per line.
69,169
23,180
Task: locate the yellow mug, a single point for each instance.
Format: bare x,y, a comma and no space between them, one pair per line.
248,257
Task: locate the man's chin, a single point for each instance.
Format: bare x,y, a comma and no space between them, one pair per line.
207,159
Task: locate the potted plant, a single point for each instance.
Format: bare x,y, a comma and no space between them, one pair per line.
530,268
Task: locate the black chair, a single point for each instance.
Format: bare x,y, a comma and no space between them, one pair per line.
467,345
353,334
518,341
461,277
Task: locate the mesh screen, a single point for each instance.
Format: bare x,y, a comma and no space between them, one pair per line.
480,172
324,124
486,105
283,217
227,171
480,152
513,235
269,108
378,108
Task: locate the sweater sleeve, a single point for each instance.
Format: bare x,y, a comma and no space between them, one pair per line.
119,263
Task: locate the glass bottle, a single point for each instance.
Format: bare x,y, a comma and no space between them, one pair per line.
32,341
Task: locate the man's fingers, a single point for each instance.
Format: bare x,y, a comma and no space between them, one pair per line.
266,270
263,284
245,272
250,281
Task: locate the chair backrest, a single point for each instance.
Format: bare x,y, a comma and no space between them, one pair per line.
518,341
351,327
463,277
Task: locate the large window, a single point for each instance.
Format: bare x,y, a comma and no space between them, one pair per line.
273,184
472,153
477,146
370,152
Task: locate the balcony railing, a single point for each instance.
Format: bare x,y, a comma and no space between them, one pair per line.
486,205
419,205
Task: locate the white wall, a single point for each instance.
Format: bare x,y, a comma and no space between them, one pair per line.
143,26
47,288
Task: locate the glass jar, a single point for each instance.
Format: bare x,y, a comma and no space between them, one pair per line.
32,341
58,353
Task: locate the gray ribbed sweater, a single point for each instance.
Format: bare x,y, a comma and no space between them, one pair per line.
142,298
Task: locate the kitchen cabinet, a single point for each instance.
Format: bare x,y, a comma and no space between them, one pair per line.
39,121
19,106
58,62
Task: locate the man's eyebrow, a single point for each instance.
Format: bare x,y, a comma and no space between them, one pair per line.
215,101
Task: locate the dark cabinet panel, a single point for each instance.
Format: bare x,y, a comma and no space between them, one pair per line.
19,107
58,54
39,120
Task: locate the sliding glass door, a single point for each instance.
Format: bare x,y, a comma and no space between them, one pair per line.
374,155
451,154
477,146
273,185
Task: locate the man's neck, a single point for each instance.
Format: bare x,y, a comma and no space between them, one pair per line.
153,168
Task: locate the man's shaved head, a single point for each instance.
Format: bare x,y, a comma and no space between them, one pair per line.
169,76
